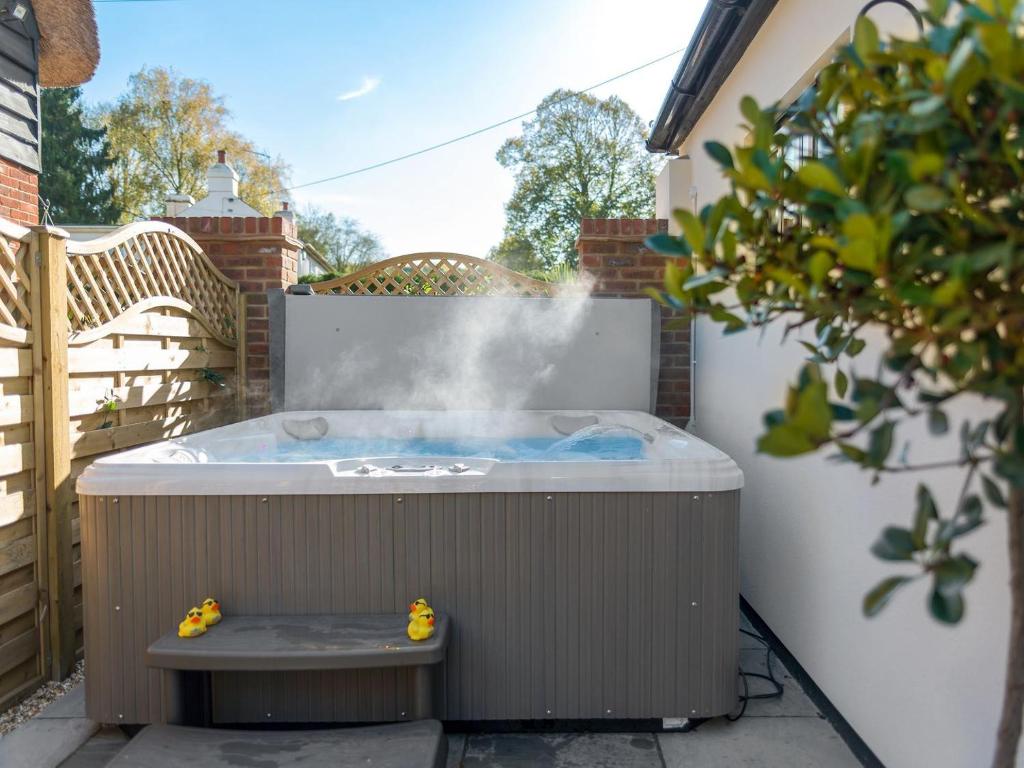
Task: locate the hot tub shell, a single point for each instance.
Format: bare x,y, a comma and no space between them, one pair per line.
569,599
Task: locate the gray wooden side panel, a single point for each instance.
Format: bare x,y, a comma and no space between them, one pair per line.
19,93
563,606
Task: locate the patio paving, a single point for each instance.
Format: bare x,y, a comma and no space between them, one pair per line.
788,732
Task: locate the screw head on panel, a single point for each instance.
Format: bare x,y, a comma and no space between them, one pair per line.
694,604
115,499
398,500
550,498
120,716
402,714
264,501
268,715
117,607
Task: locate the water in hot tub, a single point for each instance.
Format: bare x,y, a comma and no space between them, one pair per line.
591,444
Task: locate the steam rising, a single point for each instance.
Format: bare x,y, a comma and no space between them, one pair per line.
466,362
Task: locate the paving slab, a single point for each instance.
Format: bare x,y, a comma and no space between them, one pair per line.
70,705
44,742
456,746
562,750
758,742
98,751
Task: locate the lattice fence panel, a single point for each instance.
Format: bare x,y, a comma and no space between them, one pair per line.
436,274
145,261
21,465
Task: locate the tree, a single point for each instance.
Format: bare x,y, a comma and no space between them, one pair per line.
341,240
164,133
580,157
73,181
911,222
515,253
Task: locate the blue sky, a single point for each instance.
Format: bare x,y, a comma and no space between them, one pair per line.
414,73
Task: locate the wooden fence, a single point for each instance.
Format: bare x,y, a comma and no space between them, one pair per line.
104,345
436,274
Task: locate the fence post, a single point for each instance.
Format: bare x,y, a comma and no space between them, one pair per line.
52,335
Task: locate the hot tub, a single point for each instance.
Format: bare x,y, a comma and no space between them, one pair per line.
588,560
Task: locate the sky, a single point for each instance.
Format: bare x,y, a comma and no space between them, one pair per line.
334,85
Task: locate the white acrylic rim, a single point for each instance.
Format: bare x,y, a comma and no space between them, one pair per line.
680,462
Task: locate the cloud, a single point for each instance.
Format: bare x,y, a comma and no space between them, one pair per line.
368,86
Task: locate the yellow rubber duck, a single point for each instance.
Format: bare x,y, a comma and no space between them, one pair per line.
417,606
211,611
193,624
422,626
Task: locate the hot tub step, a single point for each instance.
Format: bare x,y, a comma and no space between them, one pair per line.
295,643
420,744
290,643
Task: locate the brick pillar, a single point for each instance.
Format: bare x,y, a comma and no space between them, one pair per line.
19,194
612,252
260,254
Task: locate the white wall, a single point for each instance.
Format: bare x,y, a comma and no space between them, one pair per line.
918,693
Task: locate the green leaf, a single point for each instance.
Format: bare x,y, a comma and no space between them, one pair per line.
926,164
894,544
880,443
926,198
865,37
953,574
719,153
927,106
859,254
926,512
842,383
785,440
693,230
818,267
750,110
948,609
993,492
876,599
938,423
817,175
812,414
668,245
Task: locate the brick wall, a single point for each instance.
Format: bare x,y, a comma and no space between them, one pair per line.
261,254
612,252
19,194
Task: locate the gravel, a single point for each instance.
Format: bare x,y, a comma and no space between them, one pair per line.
45,695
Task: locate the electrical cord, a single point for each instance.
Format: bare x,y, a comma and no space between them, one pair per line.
747,697
777,687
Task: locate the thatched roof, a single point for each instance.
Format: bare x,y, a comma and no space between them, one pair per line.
69,46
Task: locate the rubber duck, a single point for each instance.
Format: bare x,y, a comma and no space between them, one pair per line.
193,624
416,607
211,611
422,625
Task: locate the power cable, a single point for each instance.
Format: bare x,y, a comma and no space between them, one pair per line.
478,131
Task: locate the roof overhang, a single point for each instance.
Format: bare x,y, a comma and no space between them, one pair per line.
723,34
69,46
